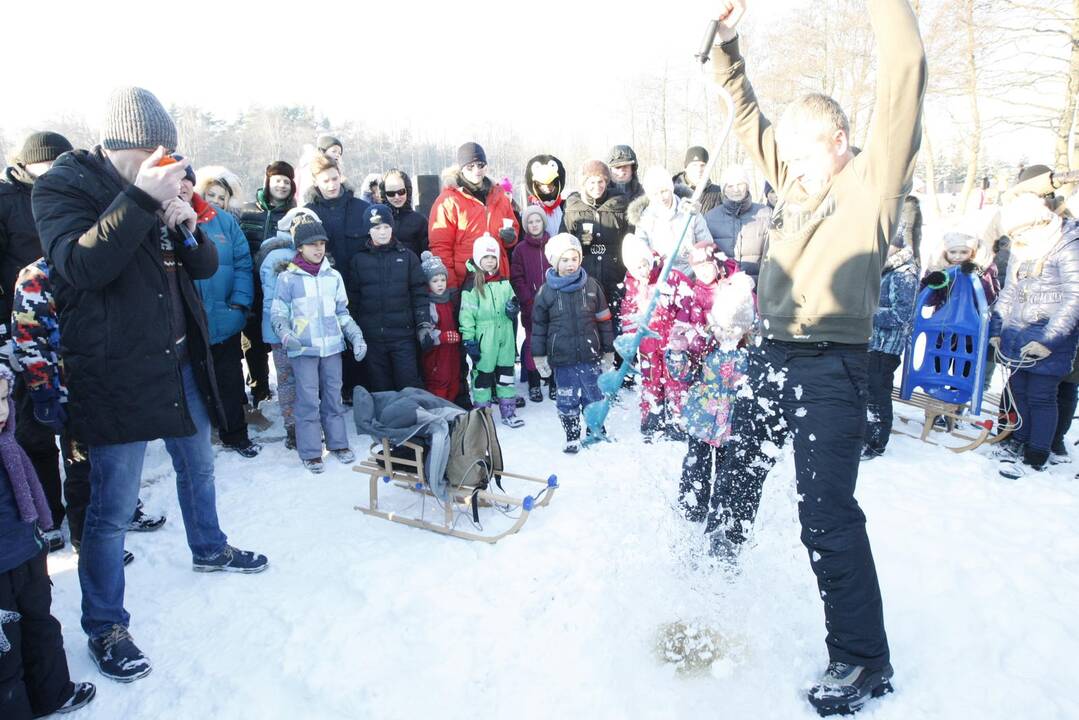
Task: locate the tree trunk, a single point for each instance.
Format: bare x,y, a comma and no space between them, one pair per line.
930,168
1067,152
975,115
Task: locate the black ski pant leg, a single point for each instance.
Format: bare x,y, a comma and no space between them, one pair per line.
696,484
882,367
257,355
823,400
404,358
229,372
747,458
34,679
39,443
378,366
1067,400
76,483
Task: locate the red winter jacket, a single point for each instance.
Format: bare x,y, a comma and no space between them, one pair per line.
442,363
695,311
458,218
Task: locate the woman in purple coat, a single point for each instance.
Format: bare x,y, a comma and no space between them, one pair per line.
527,271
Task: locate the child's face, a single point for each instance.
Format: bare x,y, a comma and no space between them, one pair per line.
957,256
568,263
313,252
437,284
488,263
535,225
381,234
642,269
706,272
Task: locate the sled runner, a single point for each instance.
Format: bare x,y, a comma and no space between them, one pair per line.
944,359
403,467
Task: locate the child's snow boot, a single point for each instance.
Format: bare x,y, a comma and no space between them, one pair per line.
1033,460
535,393
143,522
843,688
315,465
290,437
552,391
572,425
1058,454
507,407
344,455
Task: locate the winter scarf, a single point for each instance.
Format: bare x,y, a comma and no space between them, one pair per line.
308,267
569,283
477,191
447,297
29,495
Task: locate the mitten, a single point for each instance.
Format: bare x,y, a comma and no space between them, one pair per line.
507,235
291,343
968,268
451,337
426,340
542,367
48,410
513,309
937,279
473,349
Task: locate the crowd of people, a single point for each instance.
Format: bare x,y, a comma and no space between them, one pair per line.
124,269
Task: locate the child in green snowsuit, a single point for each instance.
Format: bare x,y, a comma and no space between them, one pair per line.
488,317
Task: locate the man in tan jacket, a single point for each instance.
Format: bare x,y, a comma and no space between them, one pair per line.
818,290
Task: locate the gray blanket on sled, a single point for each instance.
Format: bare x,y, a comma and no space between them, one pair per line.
401,416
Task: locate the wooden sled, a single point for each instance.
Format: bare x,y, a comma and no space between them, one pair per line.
970,432
383,468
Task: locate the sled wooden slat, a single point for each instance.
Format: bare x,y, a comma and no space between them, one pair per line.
409,475
972,431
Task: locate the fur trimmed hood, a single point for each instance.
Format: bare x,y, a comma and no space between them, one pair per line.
639,205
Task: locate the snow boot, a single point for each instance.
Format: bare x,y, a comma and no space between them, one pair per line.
245,448
315,465
1008,449
868,453
650,425
519,401
54,539
117,656
142,522
572,425
535,392
1032,461
844,689
1058,454
507,408
84,692
232,560
344,455
552,390
290,437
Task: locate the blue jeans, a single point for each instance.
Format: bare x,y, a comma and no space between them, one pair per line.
1036,401
115,475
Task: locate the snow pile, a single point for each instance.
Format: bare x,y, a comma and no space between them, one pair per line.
361,618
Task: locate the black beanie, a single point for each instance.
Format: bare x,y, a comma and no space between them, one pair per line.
470,152
43,147
1033,171
325,142
695,154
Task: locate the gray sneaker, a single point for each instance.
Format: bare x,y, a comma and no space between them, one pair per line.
844,689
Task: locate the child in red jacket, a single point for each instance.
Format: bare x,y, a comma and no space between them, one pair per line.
442,344
661,395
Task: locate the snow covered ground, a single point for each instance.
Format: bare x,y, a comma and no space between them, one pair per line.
361,618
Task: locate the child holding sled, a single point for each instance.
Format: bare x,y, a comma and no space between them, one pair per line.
442,350
488,318
310,316
528,268
572,334
661,394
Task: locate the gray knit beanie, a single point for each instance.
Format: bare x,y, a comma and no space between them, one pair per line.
137,120
307,230
432,265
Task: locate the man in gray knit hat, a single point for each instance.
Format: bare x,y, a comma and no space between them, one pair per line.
125,250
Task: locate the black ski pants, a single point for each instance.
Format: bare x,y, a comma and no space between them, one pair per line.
229,372
882,367
391,365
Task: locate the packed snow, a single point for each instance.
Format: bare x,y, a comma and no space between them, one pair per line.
362,618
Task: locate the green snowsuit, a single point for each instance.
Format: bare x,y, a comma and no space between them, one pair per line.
483,319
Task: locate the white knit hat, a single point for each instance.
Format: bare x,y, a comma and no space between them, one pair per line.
635,250
960,241
530,211
559,245
734,175
655,179
485,245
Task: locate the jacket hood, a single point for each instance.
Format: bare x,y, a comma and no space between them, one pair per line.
639,205
313,194
545,166
268,246
408,192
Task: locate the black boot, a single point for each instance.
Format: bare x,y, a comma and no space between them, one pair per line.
572,425
535,392
552,391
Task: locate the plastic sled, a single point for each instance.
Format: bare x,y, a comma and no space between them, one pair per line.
943,367
463,504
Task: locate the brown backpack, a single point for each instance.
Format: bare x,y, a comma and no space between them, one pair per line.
475,454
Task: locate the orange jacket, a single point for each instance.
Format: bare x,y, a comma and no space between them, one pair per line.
458,218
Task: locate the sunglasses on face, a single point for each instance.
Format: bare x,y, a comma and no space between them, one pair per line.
396,193
476,166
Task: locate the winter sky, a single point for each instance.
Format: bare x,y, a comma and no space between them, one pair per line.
434,65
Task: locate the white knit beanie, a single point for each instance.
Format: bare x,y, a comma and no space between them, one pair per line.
559,245
483,246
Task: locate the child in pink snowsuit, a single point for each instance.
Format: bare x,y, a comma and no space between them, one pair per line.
661,395
691,317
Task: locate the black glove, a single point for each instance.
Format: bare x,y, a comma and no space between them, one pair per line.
472,348
513,309
507,235
937,279
968,268
426,341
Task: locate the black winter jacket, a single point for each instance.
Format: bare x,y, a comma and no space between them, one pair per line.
259,219
19,243
566,326
387,292
603,258
345,226
102,238
410,227
711,198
